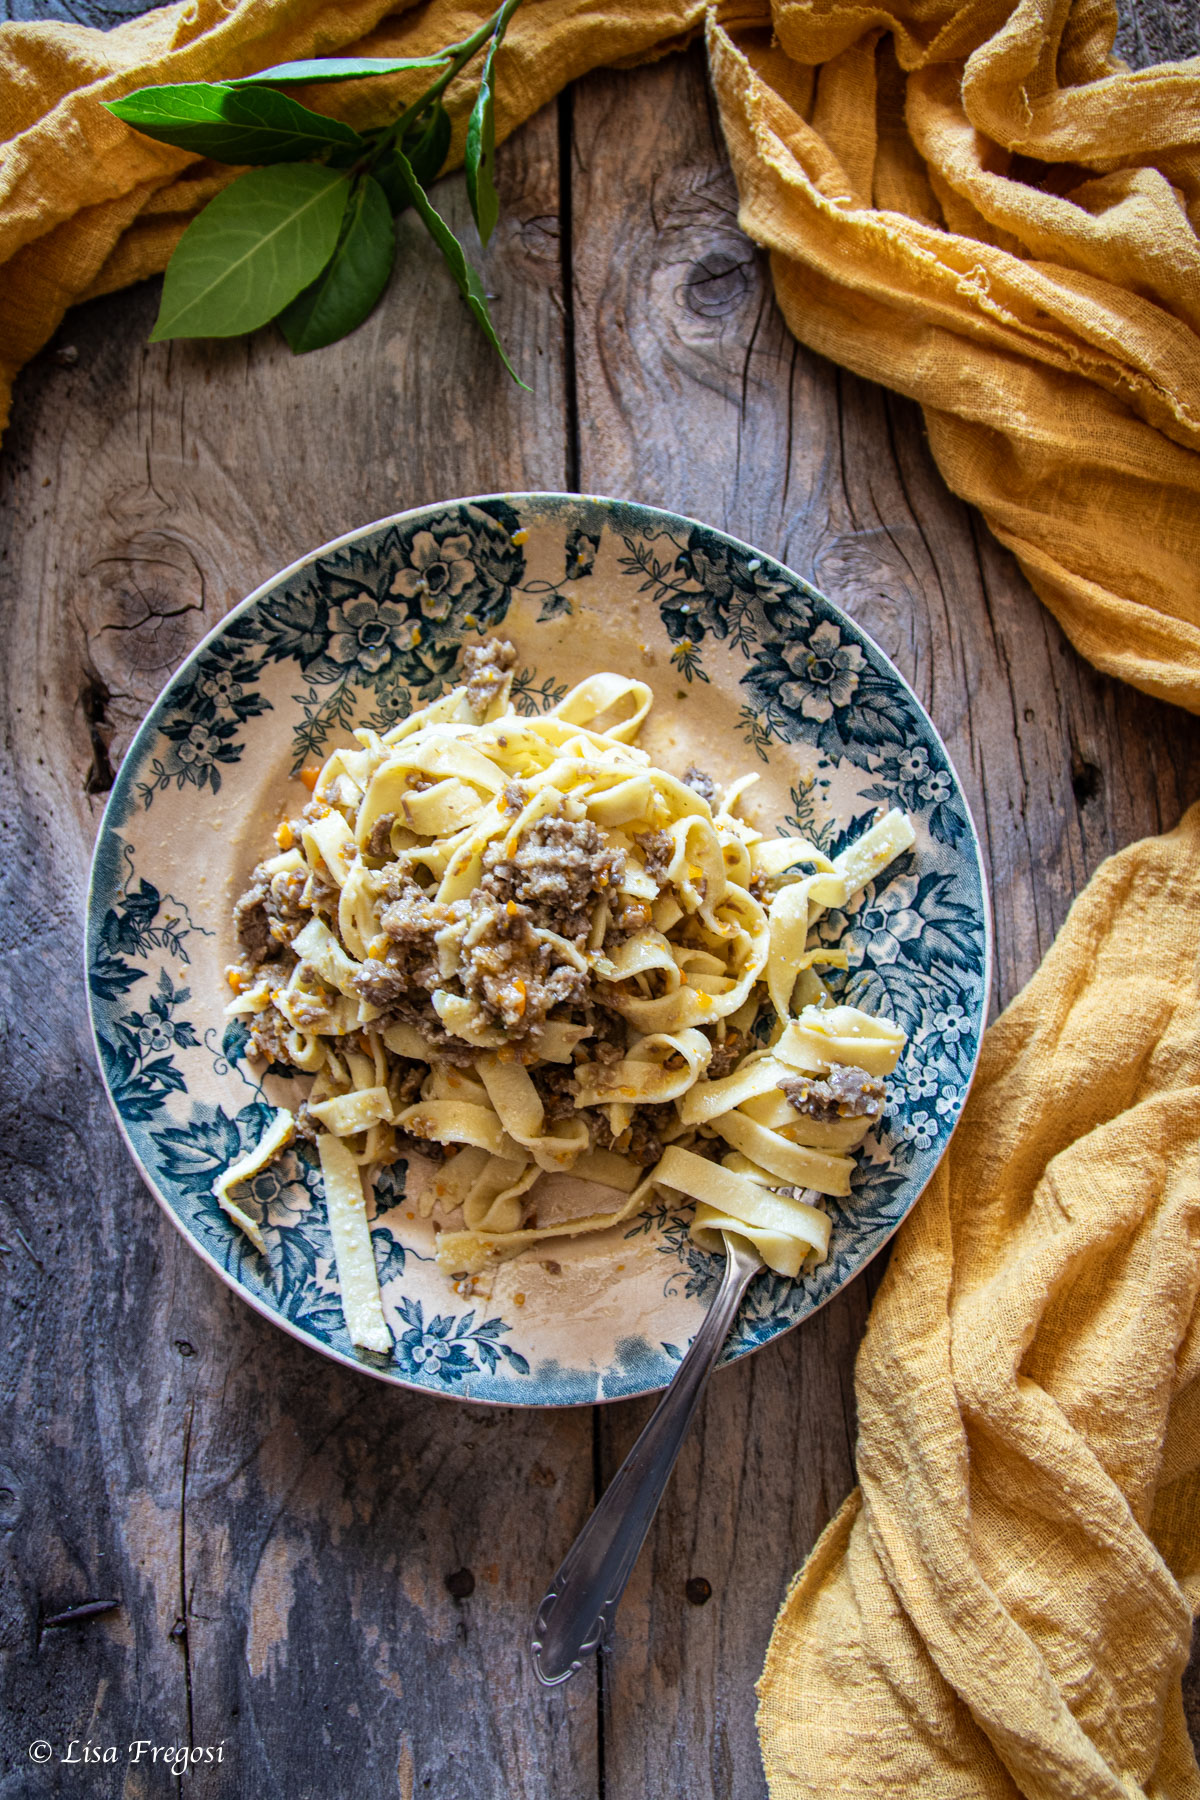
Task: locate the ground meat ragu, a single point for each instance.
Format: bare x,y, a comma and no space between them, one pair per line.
700,783
626,916
642,1139
425,1022
727,1053
485,669
269,914
513,975
608,1033
559,868
645,1144
267,1032
657,848
252,925
556,1088
557,873
406,1079
380,841
846,1093
393,987
406,1082
408,967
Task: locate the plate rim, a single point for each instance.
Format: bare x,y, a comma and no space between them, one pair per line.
125,775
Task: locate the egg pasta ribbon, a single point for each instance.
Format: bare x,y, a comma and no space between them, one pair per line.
517,949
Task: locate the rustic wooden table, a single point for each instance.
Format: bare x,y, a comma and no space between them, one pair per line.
333,1579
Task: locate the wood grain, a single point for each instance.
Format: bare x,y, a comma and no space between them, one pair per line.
291,1544
279,1531
693,395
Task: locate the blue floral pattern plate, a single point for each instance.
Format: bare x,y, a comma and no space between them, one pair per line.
752,669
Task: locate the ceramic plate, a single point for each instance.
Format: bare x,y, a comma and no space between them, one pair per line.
752,669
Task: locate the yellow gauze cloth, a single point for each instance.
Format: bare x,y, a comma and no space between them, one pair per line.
967,200
1003,1607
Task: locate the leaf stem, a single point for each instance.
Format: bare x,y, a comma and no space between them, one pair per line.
459,54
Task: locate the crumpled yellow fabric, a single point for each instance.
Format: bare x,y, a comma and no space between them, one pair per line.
967,200
971,202
1004,1607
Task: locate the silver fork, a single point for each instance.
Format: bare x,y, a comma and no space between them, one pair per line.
577,1614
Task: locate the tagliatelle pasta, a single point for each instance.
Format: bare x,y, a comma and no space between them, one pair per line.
515,945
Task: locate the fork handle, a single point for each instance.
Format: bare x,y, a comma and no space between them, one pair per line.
577,1613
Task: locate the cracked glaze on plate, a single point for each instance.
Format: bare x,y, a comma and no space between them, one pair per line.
752,668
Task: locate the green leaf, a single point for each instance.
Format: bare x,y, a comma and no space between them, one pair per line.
387,174
428,145
353,279
233,125
480,158
252,249
469,284
339,68
425,144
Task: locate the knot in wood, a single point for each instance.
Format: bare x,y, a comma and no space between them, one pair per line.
717,284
